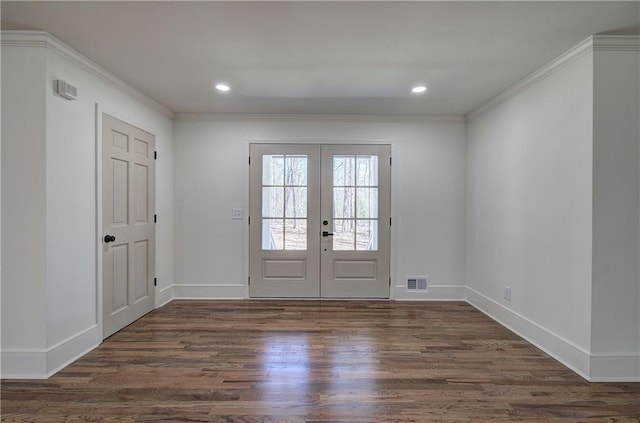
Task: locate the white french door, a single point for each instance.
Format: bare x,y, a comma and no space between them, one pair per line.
319,221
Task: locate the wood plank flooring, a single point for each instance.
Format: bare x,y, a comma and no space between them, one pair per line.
317,361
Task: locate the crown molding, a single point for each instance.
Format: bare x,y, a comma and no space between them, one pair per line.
45,40
237,117
616,42
589,45
568,57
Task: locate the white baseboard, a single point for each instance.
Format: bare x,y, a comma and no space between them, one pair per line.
42,364
571,355
164,296
208,292
24,364
615,368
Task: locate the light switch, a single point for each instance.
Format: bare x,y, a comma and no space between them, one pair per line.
236,214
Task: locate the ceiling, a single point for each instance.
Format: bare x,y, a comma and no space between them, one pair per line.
322,57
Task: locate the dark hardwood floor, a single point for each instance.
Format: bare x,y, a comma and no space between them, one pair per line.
317,361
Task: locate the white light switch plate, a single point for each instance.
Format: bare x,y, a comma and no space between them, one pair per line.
236,214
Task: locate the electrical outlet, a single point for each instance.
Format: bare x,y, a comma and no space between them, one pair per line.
236,214
507,293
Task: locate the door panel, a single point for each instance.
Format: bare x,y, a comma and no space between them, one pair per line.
320,221
356,206
142,269
141,194
284,206
120,197
120,282
128,207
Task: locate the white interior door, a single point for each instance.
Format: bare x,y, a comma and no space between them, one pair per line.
319,221
128,234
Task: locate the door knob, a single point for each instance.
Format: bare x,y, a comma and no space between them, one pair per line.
325,233
109,238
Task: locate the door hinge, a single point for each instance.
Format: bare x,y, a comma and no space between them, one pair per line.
155,281
249,280
155,155
249,159
389,221
389,161
249,219
155,218
389,281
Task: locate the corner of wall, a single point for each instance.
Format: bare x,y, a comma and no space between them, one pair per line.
164,296
508,231
568,353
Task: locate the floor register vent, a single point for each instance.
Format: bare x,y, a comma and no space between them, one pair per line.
417,283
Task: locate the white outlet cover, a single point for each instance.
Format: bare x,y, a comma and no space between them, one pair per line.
507,293
236,214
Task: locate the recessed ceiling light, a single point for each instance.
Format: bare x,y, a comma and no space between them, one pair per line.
419,89
223,87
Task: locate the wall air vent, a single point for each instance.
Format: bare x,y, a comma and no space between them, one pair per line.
417,283
66,90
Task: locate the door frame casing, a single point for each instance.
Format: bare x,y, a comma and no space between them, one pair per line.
99,111
320,141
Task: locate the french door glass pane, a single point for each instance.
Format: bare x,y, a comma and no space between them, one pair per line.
284,202
295,170
272,234
367,235
272,170
295,234
344,203
344,171
367,203
273,202
344,234
296,202
367,171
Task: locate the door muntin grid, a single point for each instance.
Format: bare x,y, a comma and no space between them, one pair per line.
284,202
355,202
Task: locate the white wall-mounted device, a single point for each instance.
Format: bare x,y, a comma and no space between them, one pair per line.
66,90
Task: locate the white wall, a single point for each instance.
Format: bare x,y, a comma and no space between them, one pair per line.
616,205
23,202
529,211
211,178
553,208
53,210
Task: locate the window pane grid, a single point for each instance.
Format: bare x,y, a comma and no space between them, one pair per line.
355,202
284,202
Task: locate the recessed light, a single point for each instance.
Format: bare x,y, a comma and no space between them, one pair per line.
223,87
419,89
